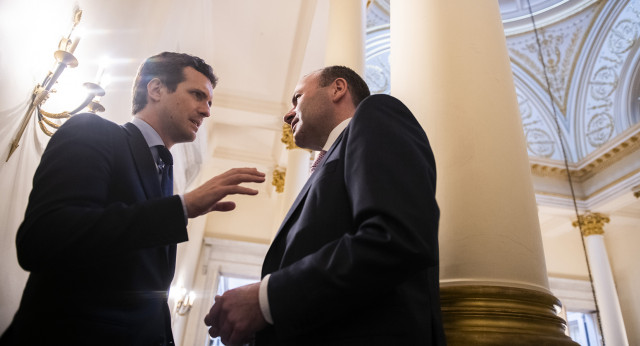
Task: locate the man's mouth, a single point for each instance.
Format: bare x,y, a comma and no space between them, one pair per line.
196,123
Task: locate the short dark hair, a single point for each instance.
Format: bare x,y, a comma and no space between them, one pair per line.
168,67
355,84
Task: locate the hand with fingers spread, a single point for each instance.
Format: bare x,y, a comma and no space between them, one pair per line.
207,197
236,316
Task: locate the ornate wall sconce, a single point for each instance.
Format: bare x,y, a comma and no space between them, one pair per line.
64,57
185,301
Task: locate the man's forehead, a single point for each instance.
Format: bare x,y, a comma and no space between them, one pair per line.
196,79
306,80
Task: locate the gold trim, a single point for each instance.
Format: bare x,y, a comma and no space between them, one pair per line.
591,223
50,123
44,128
582,172
593,194
278,179
62,115
500,315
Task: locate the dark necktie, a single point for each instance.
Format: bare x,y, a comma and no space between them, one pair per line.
165,166
315,163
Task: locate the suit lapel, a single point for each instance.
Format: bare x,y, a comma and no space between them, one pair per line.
143,161
147,171
305,189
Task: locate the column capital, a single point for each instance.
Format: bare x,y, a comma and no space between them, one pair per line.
278,179
592,223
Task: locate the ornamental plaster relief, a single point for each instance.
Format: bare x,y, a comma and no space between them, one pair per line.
605,82
585,72
560,45
541,141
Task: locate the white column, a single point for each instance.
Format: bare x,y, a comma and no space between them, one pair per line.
297,173
450,66
346,36
592,229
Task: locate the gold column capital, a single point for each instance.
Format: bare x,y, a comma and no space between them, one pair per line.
278,179
592,223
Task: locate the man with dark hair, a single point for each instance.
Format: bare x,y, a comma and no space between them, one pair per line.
355,261
100,230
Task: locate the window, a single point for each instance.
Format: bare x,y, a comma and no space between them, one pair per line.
583,328
226,283
224,264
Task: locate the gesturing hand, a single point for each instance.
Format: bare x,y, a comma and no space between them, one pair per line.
236,316
207,197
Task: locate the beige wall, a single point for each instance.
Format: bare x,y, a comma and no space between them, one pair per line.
622,242
565,258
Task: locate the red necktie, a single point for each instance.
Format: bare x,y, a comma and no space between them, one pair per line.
315,163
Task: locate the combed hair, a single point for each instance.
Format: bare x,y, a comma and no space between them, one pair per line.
169,68
355,84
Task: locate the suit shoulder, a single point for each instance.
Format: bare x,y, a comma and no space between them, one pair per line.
381,104
90,124
378,99
86,128
88,119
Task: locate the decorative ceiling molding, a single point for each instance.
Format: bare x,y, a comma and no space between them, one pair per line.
378,13
615,189
517,20
607,63
596,162
561,45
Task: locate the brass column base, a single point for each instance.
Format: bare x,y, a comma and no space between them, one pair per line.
500,315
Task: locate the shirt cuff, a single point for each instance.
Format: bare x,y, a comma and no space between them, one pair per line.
184,210
263,299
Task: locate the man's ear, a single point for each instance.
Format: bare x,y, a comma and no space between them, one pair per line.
154,88
340,89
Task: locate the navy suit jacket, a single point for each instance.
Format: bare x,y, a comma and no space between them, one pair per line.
98,240
355,261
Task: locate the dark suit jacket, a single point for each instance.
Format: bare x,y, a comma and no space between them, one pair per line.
355,261
98,240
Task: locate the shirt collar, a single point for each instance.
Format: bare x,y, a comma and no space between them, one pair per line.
333,135
150,135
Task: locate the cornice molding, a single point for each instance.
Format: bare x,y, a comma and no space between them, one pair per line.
597,161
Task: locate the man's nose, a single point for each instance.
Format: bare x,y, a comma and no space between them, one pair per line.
288,118
205,111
